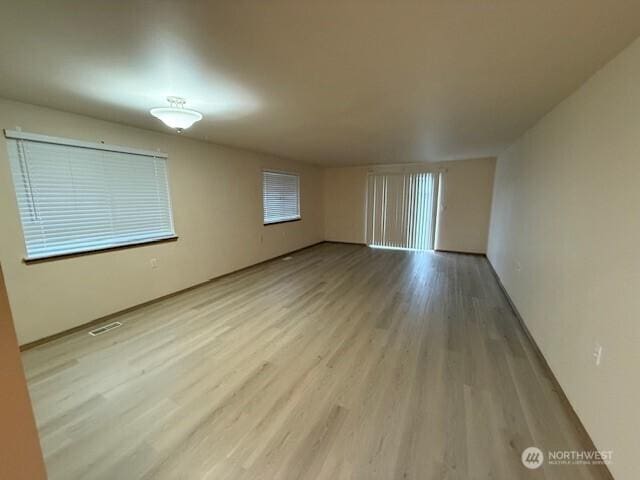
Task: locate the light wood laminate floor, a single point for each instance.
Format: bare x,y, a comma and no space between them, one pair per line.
342,362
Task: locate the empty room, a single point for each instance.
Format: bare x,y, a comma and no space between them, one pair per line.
319,239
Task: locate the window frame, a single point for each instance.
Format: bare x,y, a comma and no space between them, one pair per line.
17,136
298,191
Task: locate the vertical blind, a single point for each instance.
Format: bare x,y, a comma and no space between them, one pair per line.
401,210
74,198
280,196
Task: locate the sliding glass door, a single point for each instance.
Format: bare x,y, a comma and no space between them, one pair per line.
401,210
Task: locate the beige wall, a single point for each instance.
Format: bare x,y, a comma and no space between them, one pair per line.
345,199
564,239
217,204
462,225
463,222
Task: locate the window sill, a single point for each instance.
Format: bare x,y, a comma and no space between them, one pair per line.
63,256
283,221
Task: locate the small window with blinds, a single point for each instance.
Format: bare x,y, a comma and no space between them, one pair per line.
280,197
76,197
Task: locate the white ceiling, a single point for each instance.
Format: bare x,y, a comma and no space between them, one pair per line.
324,81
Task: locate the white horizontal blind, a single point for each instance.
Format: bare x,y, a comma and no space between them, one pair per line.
76,199
401,210
280,196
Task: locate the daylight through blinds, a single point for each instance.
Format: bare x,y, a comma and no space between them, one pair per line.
280,196
401,210
76,198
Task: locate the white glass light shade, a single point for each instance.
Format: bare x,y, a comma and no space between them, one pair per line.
179,118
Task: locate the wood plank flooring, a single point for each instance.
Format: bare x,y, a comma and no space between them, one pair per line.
342,362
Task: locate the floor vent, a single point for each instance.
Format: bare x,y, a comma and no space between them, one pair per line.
104,329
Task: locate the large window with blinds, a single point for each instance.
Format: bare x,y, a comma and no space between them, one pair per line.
401,210
76,197
280,197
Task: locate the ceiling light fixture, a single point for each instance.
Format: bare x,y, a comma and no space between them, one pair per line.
175,115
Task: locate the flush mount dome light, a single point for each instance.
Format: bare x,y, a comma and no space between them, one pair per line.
175,115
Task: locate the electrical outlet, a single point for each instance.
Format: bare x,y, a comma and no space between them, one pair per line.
518,266
597,354
154,263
